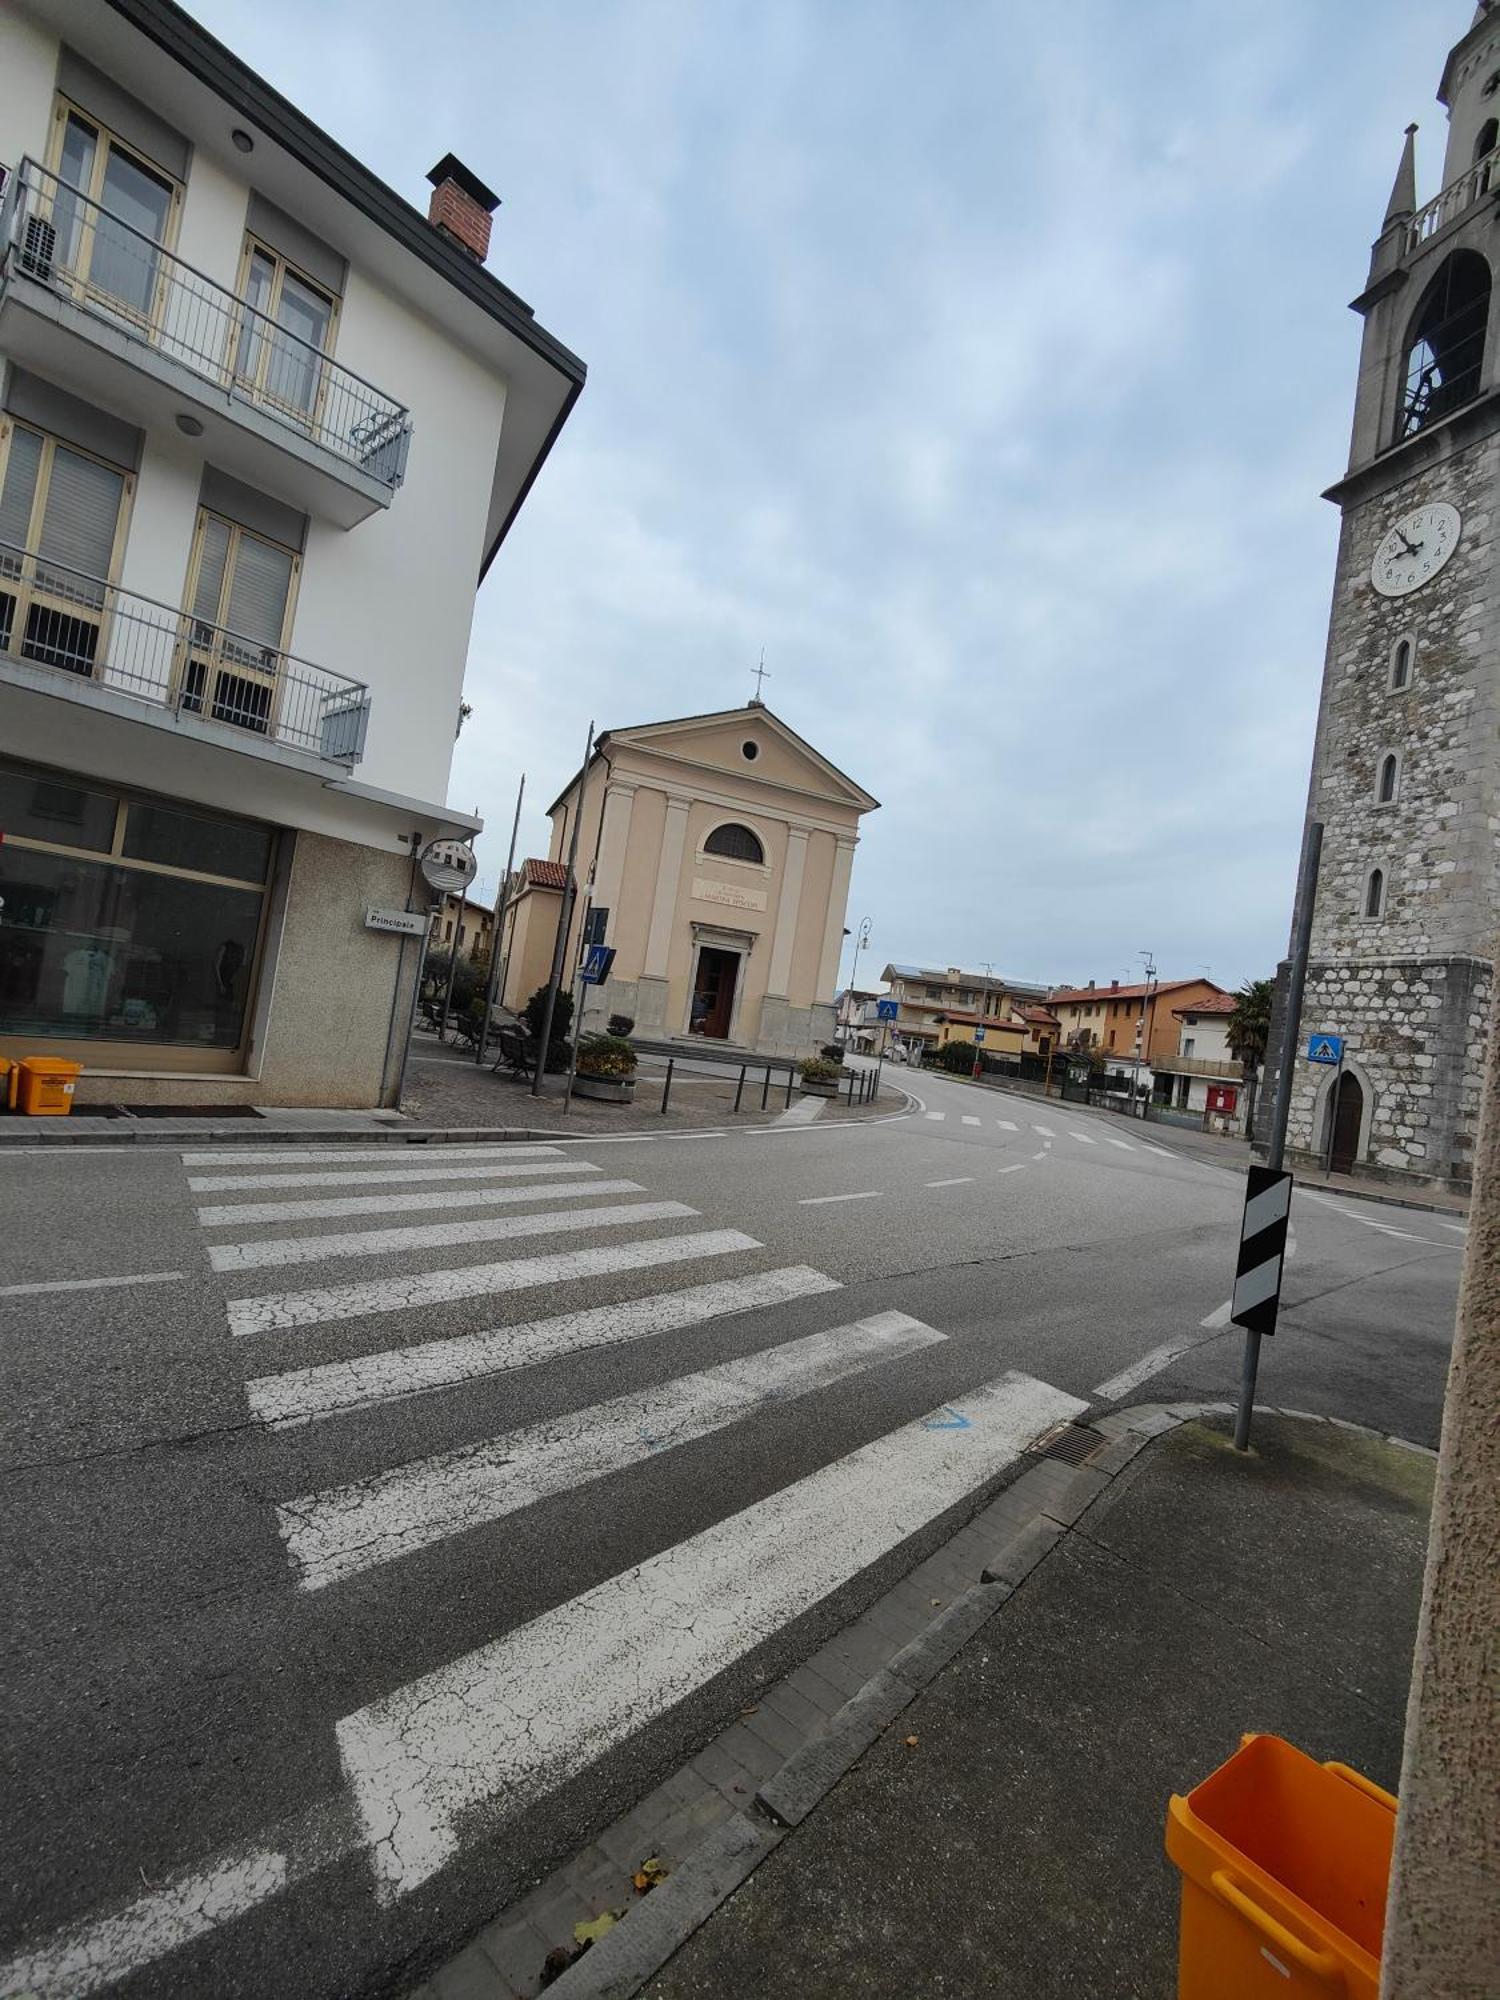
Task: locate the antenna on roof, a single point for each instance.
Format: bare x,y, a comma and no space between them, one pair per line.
760,675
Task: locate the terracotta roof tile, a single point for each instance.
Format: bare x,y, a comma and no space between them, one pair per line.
546,874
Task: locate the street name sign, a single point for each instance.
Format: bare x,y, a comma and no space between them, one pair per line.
1325,1048
405,923
1257,1275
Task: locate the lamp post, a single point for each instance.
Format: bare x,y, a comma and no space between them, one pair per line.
861,939
1143,1041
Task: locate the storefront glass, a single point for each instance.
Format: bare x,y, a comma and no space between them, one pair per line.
125,920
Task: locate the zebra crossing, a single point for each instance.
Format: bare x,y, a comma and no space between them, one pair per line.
385,1312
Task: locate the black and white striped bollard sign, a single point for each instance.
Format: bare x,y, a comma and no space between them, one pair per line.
1257,1275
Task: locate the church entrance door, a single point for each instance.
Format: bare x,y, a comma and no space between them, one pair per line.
1345,1107
713,993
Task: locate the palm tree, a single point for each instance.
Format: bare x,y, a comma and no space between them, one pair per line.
1247,1031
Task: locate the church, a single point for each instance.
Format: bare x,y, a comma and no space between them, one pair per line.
1406,765
714,857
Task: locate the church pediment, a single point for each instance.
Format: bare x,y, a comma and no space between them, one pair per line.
722,743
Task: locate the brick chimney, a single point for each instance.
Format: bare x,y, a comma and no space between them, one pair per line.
461,206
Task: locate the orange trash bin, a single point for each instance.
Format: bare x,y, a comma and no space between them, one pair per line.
46,1084
1285,1864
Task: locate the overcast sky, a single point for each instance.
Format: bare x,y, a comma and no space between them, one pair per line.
982,361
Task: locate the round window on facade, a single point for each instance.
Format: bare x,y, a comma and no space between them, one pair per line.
749,751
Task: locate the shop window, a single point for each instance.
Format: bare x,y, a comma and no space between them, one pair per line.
735,843
126,921
240,595
62,532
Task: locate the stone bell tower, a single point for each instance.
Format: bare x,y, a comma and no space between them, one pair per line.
1406,765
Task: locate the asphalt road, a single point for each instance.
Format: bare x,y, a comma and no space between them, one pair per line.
341,1608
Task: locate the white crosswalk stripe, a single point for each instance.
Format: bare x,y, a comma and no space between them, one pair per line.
1044,1131
492,1170
298,1395
1083,1138
1006,1124
472,1743
336,1534
483,1737
436,1235
971,1121
937,1114
358,1155
275,1311
223,1215
1123,1144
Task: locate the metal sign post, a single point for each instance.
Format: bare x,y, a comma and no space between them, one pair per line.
1307,896
492,985
564,923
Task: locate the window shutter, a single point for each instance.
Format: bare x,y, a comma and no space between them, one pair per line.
82,513
258,591
19,490
212,554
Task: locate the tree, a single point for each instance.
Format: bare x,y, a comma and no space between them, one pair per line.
1247,1031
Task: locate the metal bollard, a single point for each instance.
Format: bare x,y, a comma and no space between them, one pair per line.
739,1087
788,1086
765,1087
666,1089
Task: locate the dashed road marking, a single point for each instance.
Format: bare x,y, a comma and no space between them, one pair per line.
818,1200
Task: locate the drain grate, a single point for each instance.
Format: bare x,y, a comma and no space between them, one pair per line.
1074,1444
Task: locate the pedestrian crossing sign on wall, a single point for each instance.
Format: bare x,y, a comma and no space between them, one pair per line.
1325,1048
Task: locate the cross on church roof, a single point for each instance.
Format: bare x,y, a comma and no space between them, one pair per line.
760,675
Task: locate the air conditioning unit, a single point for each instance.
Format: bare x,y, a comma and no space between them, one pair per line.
38,248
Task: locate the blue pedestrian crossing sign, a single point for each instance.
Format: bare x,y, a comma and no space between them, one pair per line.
1325,1048
887,1010
597,962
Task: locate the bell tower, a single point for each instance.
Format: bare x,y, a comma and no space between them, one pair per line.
1406,764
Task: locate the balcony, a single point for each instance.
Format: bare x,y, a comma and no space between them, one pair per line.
1481,179
1223,1068
90,302
64,632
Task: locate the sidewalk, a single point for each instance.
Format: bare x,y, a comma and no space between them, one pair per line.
991,1822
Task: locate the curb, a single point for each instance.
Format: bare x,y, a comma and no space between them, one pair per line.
735,1802
126,1132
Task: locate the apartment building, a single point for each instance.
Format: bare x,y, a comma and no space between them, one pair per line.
263,427
1201,1075
1128,1021
460,924
923,993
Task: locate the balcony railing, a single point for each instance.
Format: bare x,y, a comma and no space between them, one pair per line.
1481,179
52,234
1224,1067
54,616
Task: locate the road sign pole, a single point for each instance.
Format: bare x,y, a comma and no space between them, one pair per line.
1281,1108
564,921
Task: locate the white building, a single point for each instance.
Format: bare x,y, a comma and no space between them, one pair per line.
1202,1077
263,427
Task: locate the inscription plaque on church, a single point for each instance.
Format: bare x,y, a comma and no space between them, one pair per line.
728,893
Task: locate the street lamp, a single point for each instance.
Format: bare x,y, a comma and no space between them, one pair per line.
1143,1033
861,939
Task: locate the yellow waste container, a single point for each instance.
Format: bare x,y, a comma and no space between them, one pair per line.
46,1086
1284,1864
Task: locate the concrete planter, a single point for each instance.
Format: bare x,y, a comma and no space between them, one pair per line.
608,1089
820,1090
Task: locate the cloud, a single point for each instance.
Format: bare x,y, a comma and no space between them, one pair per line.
981,363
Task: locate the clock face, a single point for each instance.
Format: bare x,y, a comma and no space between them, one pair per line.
1415,549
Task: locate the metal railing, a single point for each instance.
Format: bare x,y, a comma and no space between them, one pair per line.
54,616
1479,180
54,235
1224,1067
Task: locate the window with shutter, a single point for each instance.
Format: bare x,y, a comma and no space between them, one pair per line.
113,214
240,605
62,515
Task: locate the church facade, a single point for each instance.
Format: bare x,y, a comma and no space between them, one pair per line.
714,858
1406,765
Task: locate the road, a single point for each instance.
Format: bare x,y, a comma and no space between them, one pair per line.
379,1525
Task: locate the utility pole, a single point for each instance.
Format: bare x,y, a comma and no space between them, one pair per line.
564,920
492,984
1281,1108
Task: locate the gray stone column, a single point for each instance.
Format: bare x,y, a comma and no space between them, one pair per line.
1442,1936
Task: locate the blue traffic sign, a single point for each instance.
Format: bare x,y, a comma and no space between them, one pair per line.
596,964
887,1010
1325,1048
979,1034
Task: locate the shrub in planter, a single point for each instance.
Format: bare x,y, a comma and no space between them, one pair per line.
820,1078
562,1021
833,1052
606,1055
621,1025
